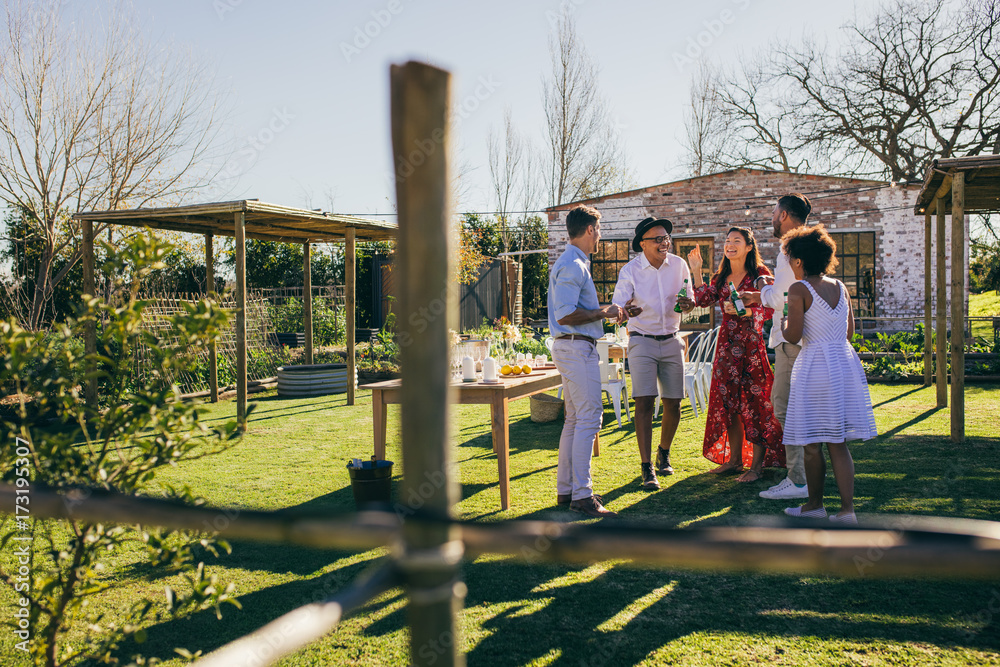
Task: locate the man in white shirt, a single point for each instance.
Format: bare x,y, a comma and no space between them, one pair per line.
647,291
790,212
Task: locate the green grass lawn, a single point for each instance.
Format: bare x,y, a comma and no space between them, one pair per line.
986,304
608,613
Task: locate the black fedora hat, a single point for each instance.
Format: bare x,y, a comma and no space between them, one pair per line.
645,226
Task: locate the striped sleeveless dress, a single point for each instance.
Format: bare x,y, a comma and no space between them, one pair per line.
829,400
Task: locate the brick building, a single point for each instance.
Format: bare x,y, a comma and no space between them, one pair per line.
880,242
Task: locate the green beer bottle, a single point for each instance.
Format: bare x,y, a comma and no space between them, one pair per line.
684,293
785,310
737,301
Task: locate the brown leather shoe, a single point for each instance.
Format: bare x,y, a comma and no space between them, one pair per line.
591,507
649,481
567,498
663,462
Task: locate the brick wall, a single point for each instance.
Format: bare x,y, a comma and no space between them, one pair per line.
694,207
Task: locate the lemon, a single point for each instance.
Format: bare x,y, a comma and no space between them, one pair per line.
516,370
506,370
526,369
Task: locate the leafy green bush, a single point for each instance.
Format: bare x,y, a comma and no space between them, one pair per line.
327,320
66,445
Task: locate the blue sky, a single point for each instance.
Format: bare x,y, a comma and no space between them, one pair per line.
309,88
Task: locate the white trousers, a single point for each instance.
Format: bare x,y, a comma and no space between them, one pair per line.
578,364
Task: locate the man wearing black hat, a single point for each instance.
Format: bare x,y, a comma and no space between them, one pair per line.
647,291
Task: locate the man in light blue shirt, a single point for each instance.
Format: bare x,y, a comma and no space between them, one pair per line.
575,317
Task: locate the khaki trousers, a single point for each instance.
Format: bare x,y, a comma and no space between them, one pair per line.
784,359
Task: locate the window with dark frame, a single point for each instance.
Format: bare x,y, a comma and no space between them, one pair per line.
856,252
606,262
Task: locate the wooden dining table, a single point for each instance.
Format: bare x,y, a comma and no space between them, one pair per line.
497,396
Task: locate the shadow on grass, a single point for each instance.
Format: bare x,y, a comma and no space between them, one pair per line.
204,632
621,616
896,398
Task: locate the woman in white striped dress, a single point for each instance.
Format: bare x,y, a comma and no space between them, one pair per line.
829,401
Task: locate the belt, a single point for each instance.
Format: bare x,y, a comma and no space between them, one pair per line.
577,337
663,337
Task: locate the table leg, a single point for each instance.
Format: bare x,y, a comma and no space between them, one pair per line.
379,414
597,445
501,445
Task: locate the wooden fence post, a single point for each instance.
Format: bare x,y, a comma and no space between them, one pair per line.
90,327
432,552
958,307
213,350
942,298
241,321
307,302
350,278
928,338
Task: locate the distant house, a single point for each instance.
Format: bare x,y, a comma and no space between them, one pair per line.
880,243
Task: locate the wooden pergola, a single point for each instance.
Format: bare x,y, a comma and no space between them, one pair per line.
243,219
965,185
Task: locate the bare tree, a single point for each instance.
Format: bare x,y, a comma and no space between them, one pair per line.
93,119
703,128
915,80
739,118
586,154
514,179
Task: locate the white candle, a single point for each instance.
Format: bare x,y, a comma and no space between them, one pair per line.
489,369
468,369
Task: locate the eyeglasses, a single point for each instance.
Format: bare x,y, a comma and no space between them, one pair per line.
657,239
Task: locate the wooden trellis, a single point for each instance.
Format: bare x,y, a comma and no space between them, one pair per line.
263,355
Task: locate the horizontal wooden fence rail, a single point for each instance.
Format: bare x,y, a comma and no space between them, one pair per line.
901,546
304,625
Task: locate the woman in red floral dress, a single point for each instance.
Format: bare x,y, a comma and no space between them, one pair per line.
739,404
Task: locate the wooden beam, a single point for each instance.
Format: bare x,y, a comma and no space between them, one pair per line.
350,279
431,553
958,275
241,322
307,303
90,327
928,338
942,323
213,352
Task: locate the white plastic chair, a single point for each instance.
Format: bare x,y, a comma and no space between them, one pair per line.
694,371
613,381
697,371
708,362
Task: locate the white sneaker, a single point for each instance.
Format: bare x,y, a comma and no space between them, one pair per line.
818,513
785,489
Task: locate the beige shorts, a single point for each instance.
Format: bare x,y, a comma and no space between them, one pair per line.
651,360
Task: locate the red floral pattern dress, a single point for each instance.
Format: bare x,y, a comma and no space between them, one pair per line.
741,381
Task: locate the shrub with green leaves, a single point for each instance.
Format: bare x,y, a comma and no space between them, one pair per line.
77,450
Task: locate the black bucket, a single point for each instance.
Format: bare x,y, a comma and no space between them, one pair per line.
372,482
